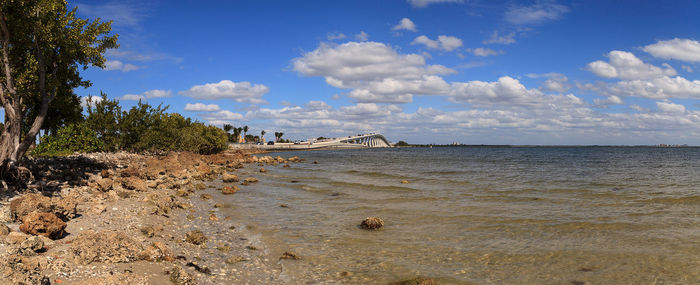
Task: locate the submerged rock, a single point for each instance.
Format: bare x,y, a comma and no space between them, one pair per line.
263,170
228,190
372,223
195,237
44,224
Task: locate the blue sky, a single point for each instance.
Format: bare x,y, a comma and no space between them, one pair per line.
424,71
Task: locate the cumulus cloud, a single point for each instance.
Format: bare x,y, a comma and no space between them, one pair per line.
155,93
221,117
335,36
508,92
612,100
425,3
501,39
118,65
625,65
556,82
405,24
680,49
375,71
668,107
199,107
484,51
226,89
362,36
535,14
93,99
446,43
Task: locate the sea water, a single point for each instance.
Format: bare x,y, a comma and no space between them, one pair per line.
484,215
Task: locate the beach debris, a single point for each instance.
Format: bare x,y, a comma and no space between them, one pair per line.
151,230
228,190
195,237
263,170
45,224
417,281
228,178
404,181
179,276
106,246
290,255
157,252
4,230
235,259
213,217
372,223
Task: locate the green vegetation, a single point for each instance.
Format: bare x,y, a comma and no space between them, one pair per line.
67,140
401,143
142,128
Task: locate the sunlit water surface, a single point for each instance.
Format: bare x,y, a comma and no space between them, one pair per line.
485,215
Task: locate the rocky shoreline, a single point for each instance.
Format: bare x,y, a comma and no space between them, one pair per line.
122,218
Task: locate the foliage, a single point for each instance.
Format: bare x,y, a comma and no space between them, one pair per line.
401,143
44,46
72,138
320,138
103,117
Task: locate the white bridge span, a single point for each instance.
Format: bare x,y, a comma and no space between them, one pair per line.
359,141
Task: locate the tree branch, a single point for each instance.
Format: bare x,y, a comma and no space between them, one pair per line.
6,54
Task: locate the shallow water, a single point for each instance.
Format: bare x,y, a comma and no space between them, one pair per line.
485,215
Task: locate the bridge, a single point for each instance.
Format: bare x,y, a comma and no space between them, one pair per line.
371,140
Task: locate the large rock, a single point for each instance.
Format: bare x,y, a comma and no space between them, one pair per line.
163,202
157,252
228,190
134,183
4,230
31,246
16,237
228,178
179,276
44,224
64,208
17,269
372,223
105,246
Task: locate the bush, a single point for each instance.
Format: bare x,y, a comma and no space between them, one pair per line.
204,139
69,139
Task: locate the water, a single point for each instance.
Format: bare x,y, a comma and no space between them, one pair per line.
485,215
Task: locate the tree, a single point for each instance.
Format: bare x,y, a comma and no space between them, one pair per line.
43,47
103,117
280,136
262,135
245,132
227,129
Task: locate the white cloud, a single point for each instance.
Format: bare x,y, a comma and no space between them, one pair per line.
226,89
501,39
375,71
122,13
199,107
93,100
657,88
446,43
612,100
155,93
668,107
484,51
555,82
680,49
405,24
335,36
535,14
625,65
118,65
687,68
425,3
221,117
508,92
362,36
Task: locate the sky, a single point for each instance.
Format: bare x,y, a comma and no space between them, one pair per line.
422,71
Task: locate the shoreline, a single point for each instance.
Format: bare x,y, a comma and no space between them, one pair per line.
130,219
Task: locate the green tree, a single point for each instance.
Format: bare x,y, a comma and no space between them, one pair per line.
44,45
245,133
103,117
262,135
71,138
227,129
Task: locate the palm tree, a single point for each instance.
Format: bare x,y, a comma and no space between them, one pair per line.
227,129
245,131
281,134
262,136
277,135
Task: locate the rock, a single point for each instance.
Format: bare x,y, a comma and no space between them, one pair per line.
205,196
45,224
115,278
4,230
213,217
195,237
97,209
134,183
315,162
163,202
204,170
290,255
417,281
104,173
404,181
151,230
294,159
228,190
372,223
179,276
263,170
286,166
235,259
200,186
17,269
182,193
228,178
31,245
105,246
157,252
64,208
218,205
15,237
104,184
251,180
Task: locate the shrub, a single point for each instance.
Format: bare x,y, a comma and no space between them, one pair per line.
69,139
